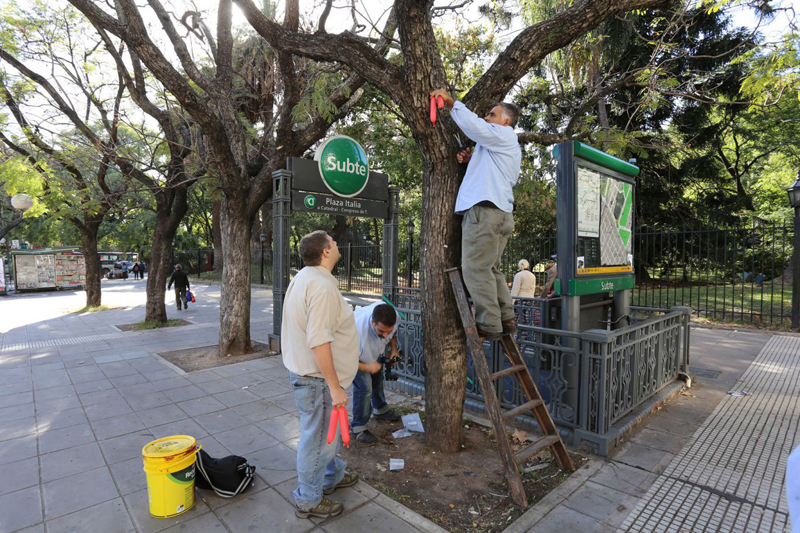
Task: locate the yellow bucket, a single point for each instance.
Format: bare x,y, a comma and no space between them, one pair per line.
169,465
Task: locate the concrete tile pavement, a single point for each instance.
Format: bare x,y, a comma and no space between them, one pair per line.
620,483
75,415
93,397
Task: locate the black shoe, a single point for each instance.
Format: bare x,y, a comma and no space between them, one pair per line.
389,415
366,438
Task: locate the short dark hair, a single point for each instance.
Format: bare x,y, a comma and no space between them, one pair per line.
384,314
312,246
511,111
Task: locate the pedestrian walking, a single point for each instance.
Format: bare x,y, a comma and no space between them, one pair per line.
124,267
524,281
319,342
181,281
136,271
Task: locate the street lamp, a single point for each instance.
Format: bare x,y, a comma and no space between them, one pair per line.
262,238
794,201
410,251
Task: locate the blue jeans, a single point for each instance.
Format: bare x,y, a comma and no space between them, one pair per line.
317,464
367,385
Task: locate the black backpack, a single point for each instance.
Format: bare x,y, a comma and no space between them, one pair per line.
227,477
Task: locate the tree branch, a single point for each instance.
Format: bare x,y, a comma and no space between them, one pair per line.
535,42
344,48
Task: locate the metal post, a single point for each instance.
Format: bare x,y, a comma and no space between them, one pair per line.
796,271
621,312
410,259
172,255
348,266
281,229
566,249
198,263
261,240
390,224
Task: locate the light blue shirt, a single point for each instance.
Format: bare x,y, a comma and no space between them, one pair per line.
494,167
371,346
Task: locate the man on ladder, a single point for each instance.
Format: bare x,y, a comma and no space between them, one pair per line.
486,201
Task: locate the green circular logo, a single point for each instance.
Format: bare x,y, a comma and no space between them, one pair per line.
343,166
310,201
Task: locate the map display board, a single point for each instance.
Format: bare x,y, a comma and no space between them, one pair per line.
605,221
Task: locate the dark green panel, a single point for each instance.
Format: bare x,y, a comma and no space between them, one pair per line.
328,204
579,287
584,151
305,177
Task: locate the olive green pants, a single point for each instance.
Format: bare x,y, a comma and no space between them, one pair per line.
484,235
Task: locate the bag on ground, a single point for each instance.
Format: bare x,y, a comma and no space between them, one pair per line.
193,300
189,297
227,477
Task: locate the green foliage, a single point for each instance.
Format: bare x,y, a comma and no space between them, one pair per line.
18,176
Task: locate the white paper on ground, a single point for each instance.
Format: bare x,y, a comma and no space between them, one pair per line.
400,433
412,422
396,464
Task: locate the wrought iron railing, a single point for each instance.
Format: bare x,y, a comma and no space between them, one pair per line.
589,380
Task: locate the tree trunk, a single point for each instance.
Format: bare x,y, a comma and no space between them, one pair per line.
234,331
216,231
171,207
444,342
340,231
379,255
158,271
92,262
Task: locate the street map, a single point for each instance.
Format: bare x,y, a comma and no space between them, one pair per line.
605,217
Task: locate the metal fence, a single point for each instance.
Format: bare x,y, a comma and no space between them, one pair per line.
735,274
590,381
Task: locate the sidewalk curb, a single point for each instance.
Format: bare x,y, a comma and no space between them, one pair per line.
543,507
407,515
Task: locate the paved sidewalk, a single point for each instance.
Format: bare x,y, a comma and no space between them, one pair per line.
612,487
79,399
731,475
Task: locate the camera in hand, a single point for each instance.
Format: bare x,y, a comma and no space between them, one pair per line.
388,363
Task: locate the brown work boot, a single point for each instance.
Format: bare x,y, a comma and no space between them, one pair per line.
324,509
509,326
350,478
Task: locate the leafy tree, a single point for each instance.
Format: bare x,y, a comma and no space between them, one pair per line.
245,137
408,84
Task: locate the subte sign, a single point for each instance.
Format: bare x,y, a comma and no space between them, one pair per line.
339,182
343,166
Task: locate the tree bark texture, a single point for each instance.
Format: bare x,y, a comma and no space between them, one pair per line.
171,206
234,331
216,231
92,263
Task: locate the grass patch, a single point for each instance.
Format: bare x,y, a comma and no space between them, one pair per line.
153,324
95,309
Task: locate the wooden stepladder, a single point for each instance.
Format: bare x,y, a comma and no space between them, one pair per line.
518,369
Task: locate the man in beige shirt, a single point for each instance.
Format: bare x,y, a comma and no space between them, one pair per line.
319,342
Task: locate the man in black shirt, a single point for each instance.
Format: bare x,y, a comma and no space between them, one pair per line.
181,281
